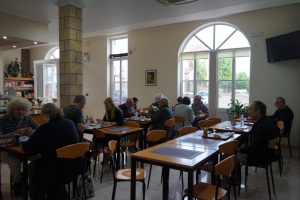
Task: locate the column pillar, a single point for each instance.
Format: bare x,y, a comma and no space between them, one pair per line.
70,45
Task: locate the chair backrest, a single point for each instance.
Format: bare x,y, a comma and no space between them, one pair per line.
229,148
205,123
98,133
170,123
155,136
132,123
215,120
273,144
73,151
112,146
280,126
225,167
179,119
186,130
38,118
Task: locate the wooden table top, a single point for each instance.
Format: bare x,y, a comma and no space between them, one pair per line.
228,127
198,155
196,140
120,130
14,149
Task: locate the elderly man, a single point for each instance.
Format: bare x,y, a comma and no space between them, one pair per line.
283,113
74,113
16,122
199,109
163,113
154,106
127,108
263,130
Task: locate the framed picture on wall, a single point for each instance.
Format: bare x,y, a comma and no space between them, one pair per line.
150,77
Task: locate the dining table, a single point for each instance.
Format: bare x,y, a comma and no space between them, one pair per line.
118,132
186,153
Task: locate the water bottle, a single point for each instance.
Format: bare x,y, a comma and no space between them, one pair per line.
242,121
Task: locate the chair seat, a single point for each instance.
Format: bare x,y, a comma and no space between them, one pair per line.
206,191
125,174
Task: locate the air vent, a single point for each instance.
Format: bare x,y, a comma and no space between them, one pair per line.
175,2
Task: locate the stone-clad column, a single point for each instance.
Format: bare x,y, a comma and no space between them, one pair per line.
70,45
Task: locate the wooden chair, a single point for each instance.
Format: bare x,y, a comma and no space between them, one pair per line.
205,123
215,120
99,141
208,191
280,126
272,144
154,137
170,128
124,174
38,118
288,138
186,130
179,119
131,140
73,151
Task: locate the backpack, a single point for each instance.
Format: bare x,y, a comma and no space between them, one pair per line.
89,188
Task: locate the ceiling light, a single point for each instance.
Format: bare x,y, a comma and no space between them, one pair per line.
14,46
35,42
4,37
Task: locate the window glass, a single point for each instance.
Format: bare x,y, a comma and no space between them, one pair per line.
222,33
207,36
195,45
119,46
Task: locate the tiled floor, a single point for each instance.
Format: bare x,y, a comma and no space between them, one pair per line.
287,186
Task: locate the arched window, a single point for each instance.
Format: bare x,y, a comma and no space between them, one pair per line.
215,64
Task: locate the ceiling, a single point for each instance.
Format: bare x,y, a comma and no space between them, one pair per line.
116,16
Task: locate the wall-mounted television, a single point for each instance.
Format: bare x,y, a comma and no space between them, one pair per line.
283,47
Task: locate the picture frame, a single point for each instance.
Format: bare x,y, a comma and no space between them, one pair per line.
150,77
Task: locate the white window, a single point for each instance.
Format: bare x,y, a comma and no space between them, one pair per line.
50,74
215,64
119,69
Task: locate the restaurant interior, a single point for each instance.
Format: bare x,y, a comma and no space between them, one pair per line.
122,49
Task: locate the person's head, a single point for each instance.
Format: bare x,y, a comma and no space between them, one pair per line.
157,97
109,103
50,112
179,99
163,102
280,103
80,101
129,103
186,101
197,99
135,100
18,107
257,110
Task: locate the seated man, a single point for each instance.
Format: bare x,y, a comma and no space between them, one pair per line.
57,132
154,106
74,113
163,113
283,113
127,108
199,109
16,122
263,130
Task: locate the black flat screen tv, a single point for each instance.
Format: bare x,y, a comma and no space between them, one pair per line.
283,47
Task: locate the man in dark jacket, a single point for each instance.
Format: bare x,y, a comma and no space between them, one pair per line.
283,113
263,130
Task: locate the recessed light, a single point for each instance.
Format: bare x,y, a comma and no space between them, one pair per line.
35,42
14,46
4,37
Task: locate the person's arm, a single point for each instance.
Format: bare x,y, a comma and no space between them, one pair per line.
35,143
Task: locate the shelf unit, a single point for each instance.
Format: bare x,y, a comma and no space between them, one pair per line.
24,87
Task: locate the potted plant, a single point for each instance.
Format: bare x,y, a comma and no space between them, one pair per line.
39,100
236,109
14,68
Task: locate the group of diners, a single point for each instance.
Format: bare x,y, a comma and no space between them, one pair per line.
66,127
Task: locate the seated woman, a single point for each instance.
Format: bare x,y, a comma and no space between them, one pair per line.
112,112
186,111
57,132
16,122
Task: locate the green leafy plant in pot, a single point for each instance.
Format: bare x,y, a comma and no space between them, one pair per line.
236,109
14,68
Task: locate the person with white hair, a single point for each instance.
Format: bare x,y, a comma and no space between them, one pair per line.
154,106
163,113
16,122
